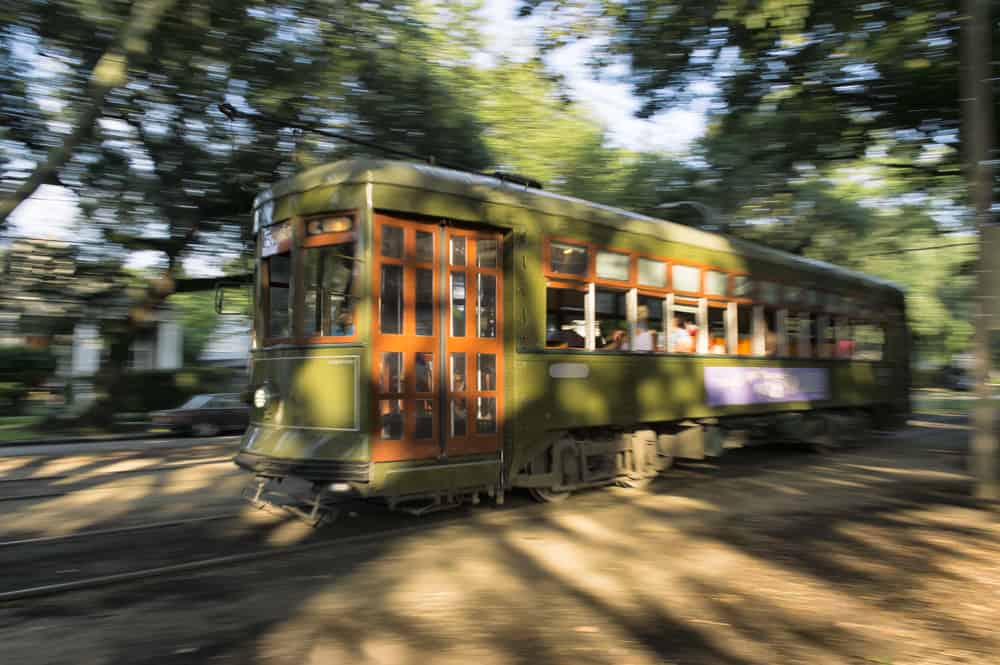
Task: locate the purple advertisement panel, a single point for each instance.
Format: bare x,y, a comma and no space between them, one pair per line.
733,386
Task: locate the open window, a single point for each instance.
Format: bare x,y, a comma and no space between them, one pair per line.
717,330
612,319
276,280
331,283
648,333
744,330
869,341
683,337
565,317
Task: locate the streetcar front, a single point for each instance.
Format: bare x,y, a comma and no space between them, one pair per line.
305,435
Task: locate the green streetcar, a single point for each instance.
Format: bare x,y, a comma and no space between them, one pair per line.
425,336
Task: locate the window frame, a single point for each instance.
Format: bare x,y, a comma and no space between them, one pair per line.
588,275
821,310
295,246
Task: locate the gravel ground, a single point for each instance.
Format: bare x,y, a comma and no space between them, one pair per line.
873,555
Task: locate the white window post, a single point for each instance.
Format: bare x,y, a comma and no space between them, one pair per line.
758,329
781,322
668,322
632,312
590,317
732,329
702,326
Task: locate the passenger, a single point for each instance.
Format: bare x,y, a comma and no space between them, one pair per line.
644,340
344,322
682,336
565,339
618,339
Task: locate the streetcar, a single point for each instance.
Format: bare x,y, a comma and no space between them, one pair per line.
427,336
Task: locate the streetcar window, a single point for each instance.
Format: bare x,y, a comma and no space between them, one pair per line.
768,292
770,331
652,273
486,305
424,310
649,324
716,330
684,329
612,265
792,334
568,259
565,322
458,251
813,322
458,302
425,247
612,319
744,330
392,242
331,282
391,300
845,338
828,344
391,419
715,283
486,415
869,342
686,278
742,286
486,253
423,426
278,269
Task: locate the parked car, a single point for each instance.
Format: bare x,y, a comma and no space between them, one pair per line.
205,415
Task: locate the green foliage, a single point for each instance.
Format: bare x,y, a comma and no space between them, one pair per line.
198,319
152,390
22,368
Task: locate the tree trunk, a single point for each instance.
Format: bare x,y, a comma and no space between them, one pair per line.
977,141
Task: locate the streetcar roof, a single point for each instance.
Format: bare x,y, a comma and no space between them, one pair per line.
495,190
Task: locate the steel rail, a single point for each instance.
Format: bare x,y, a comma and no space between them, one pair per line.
201,564
113,531
152,469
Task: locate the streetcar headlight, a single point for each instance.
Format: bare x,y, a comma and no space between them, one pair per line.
261,397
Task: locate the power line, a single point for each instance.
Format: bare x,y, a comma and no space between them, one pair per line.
921,249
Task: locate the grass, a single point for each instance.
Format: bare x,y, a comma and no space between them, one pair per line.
940,402
15,428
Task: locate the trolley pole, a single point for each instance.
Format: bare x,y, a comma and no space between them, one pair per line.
977,111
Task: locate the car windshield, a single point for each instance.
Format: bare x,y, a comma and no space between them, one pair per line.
196,402
220,401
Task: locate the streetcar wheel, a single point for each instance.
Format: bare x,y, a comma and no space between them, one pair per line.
546,495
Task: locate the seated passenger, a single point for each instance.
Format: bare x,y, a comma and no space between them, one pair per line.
681,336
618,339
565,339
644,337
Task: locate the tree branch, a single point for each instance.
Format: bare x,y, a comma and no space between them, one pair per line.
110,72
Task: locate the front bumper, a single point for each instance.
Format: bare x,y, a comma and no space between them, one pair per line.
313,470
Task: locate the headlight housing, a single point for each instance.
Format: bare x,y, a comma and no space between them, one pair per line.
261,397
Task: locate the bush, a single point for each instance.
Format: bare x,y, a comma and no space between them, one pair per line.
22,368
162,389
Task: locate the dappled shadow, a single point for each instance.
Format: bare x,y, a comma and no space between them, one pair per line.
766,556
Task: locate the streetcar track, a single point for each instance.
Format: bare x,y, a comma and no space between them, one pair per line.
210,562
77,535
95,475
687,478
